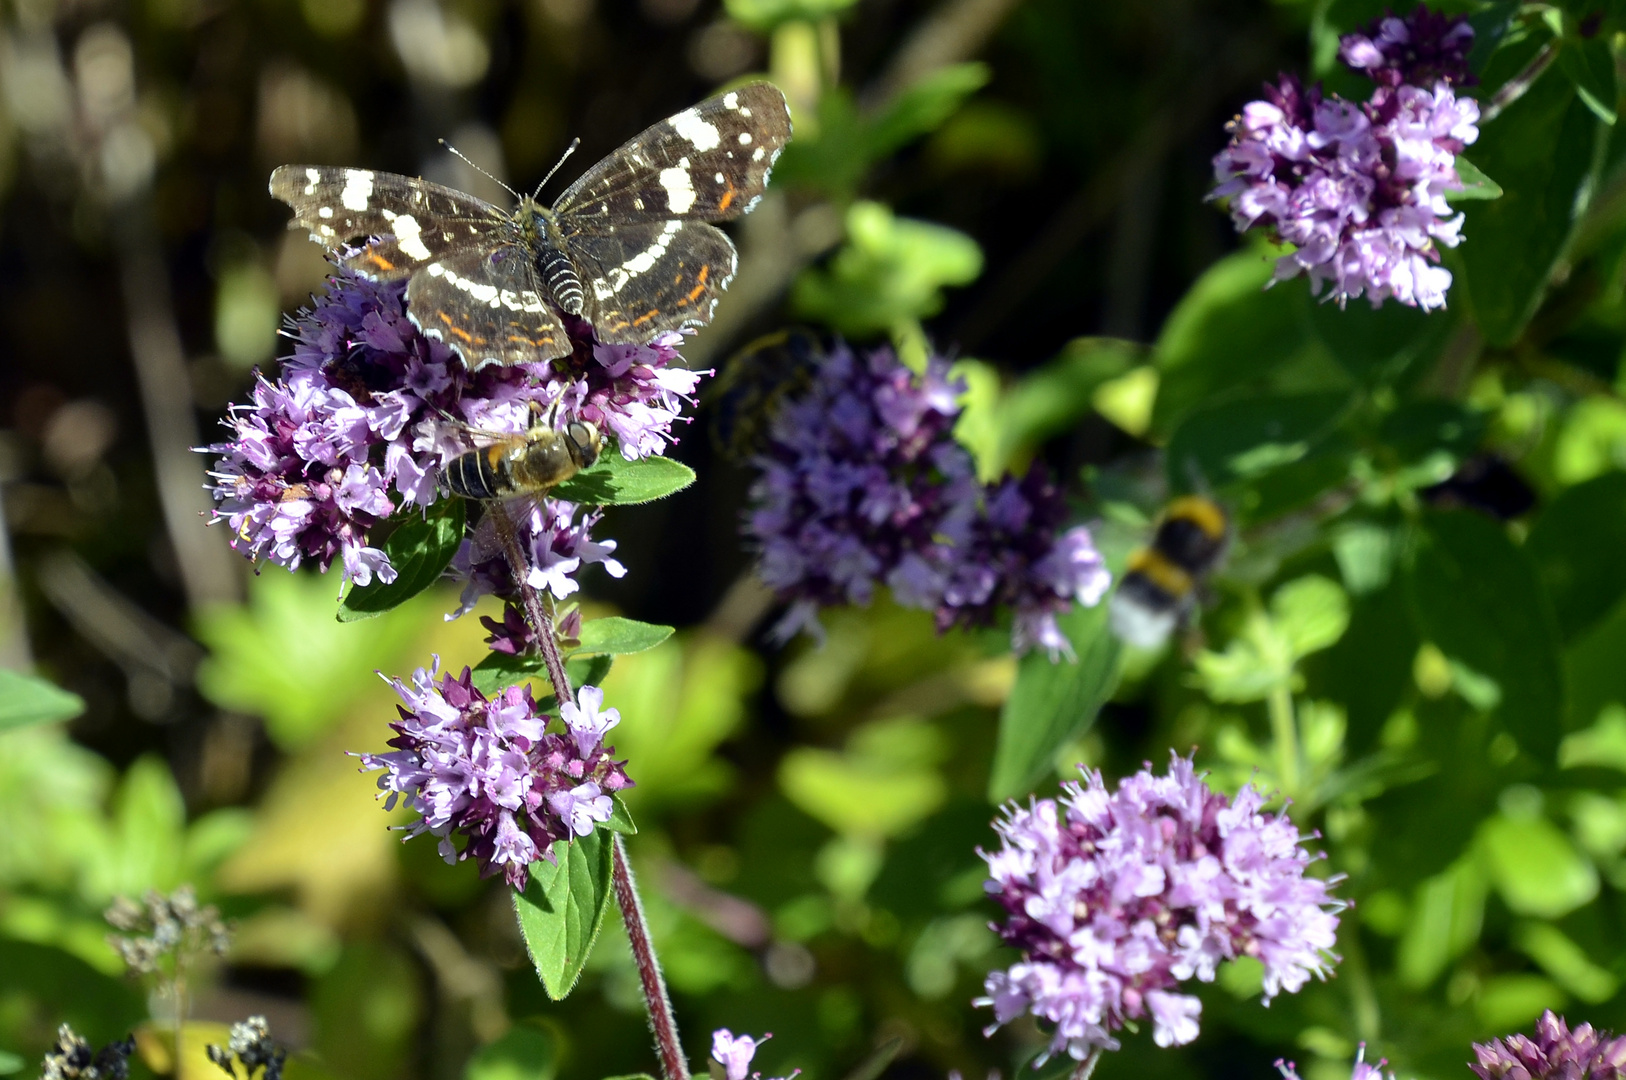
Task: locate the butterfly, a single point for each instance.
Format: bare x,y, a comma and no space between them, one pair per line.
629,246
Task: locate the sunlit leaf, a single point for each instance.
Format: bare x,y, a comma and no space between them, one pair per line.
420,549
562,909
523,1052
1053,703
1475,184
25,700
616,636
615,481
1576,544
1536,867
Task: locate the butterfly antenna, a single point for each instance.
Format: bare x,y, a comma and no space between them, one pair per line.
479,170
571,149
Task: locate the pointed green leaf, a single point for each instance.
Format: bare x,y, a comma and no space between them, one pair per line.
562,909
621,818
616,636
1475,184
25,701
588,671
615,481
420,549
500,670
1053,703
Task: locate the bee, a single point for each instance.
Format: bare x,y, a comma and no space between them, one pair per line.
530,463
753,384
1159,587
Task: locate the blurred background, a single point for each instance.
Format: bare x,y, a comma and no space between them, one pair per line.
1021,182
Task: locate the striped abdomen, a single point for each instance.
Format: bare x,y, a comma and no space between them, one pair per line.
560,275
479,474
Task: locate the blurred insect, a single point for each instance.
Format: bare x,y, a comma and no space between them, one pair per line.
1159,588
754,382
1485,482
531,462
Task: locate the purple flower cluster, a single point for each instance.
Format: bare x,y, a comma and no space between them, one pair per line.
1556,1053
356,423
863,485
1362,1070
1359,190
1114,898
556,544
488,770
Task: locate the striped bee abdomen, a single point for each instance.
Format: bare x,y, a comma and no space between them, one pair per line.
560,275
478,474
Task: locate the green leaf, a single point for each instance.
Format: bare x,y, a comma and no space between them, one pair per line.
420,549
1541,150
1475,185
523,1052
1053,397
1590,66
1266,454
1477,597
621,818
1227,332
890,270
1576,544
500,670
923,107
562,909
1535,867
25,701
616,636
615,481
764,15
10,1063
588,671
1377,345
1053,703
1569,964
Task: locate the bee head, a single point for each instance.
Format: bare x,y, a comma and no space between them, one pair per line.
584,441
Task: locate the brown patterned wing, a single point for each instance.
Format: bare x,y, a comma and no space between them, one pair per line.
413,220
707,163
642,280
486,306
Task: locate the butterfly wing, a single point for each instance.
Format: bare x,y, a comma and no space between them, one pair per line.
413,220
644,279
707,163
487,306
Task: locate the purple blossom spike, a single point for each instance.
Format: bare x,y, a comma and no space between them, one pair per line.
1115,898
489,771
1556,1053
362,417
862,485
1419,49
1362,1070
1358,190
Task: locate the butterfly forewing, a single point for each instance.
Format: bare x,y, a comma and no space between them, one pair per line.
644,279
413,220
487,307
707,163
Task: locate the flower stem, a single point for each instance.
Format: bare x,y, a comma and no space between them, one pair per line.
1087,1066
661,1020
1285,728
535,609
674,1065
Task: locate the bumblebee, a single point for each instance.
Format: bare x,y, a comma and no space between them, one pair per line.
754,382
1159,587
530,463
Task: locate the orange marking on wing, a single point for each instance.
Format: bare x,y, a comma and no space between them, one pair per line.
378,260
728,197
646,316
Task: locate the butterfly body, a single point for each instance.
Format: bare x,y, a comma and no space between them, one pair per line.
630,246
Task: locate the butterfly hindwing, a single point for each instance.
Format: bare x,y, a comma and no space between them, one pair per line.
487,306
413,220
707,163
645,279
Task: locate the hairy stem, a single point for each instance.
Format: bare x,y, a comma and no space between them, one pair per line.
661,1021
535,609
